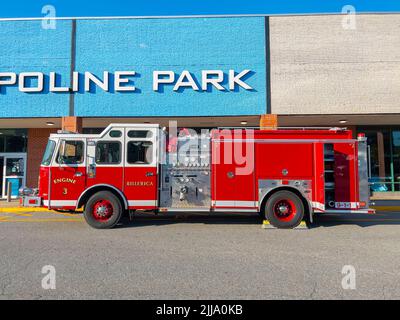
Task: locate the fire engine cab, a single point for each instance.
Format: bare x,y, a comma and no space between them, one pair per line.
285,175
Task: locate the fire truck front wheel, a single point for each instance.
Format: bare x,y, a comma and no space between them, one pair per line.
284,209
103,210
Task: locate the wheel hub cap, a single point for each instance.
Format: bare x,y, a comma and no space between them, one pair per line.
285,209
102,210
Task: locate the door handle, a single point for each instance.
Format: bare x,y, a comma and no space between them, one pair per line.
78,174
149,174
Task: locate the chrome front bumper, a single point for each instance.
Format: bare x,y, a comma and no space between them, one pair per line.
29,197
30,201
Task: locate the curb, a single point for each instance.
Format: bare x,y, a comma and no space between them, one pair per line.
32,209
386,208
22,209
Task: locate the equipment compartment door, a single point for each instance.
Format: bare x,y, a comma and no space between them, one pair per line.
233,176
141,168
346,176
319,174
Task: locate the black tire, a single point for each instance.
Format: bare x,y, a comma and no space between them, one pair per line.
103,200
284,209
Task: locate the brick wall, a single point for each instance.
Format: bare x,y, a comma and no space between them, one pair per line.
37,140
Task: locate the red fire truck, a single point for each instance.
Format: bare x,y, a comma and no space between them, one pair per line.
286,175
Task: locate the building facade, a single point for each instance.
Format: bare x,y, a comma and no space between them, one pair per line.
82,74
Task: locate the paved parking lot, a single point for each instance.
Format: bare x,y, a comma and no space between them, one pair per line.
198,258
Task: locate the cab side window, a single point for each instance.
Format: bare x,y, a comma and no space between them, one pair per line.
140,134
108,152
72,153
140,152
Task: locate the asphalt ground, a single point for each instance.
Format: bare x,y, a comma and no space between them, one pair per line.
198,257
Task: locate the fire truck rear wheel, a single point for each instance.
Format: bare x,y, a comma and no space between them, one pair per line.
103,210
284,209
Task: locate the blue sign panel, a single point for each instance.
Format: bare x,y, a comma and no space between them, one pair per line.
192,44
133,67
26,46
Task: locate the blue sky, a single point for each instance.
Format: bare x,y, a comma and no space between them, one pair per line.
79,8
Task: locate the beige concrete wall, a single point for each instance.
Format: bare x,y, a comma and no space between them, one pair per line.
318,67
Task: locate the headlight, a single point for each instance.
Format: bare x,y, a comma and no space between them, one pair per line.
24,191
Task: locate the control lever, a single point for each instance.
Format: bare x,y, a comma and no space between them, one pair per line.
182,193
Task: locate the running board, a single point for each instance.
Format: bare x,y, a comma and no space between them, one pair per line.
363,211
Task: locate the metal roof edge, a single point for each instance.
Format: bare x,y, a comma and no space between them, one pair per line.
197,16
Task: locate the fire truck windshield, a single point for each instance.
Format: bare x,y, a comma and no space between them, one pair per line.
48,153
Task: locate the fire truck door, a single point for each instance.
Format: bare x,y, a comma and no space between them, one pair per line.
68,174
104,160
233,176
141,168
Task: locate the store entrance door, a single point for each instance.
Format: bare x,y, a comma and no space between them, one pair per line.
14,168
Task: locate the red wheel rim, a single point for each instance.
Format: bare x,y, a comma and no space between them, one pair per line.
285,210
102,210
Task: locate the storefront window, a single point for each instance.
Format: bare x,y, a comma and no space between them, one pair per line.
13,144
396,158
384,155
13,140
15,167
